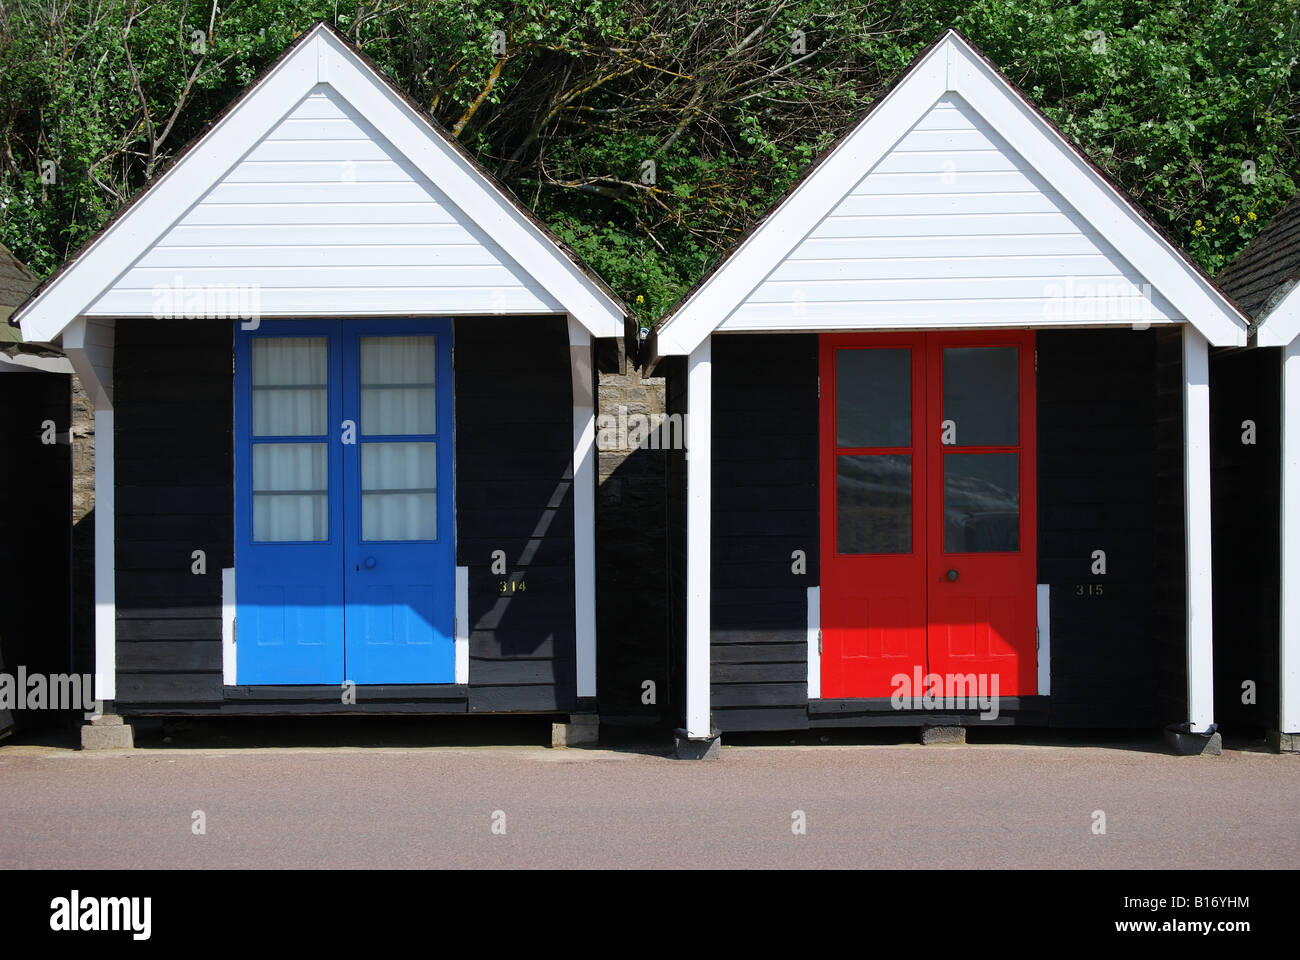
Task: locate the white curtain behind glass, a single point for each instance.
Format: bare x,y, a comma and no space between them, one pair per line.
399,491
290,399
398,480
300,513
397,386
290,389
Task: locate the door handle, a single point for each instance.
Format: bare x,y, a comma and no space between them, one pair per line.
369,562
952,576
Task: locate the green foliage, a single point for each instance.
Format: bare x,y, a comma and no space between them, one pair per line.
650,136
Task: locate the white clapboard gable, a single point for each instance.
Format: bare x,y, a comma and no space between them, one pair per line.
325,217
954,204
322,192
951,224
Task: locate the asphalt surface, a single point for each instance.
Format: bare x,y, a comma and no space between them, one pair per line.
877,805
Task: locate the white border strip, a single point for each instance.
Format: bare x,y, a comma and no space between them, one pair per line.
814,643
228,659
1044,639
699,503
105,559
1289,641
584,506
1196,480
462,625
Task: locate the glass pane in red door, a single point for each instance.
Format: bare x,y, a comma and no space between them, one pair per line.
873,398
981,502
981,396
873,503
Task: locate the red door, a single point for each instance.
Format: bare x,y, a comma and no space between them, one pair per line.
927,505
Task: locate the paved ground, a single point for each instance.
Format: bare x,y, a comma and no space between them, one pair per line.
1010,804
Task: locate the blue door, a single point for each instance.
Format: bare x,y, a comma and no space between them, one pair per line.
344,537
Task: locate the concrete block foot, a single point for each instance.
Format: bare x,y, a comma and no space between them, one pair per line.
107,732
698,748
1188,744
582,730
930,735
1284,742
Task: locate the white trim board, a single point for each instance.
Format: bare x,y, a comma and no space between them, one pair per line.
228,608
584,506
105,558
699,522
1289,574
814,643
462,625
1281,325
320,58
951,66
1196,518
1044,614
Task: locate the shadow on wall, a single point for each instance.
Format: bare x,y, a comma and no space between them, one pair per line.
35,536
632,551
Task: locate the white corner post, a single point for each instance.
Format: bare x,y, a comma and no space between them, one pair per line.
229,658
814,643
584,505
1289,593
462,626
105,559
89,345
1196,498
699,506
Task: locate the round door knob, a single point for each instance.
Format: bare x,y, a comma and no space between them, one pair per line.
952,575
370,563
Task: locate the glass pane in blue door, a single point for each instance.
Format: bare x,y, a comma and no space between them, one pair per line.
398,386
290,388
290,492
399,491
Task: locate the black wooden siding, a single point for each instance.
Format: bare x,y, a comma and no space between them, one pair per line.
1098,489
173,412
1246,485
174,487
1170,631
1109,478
764,508
35,549
514,492
676,401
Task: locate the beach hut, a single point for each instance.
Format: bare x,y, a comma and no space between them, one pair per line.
947,457
343,390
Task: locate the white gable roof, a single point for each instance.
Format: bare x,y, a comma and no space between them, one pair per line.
953,204
323,192
1281,324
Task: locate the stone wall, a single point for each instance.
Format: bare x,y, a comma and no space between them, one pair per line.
631,555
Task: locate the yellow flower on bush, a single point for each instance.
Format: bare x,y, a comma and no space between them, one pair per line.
640,299
1251,216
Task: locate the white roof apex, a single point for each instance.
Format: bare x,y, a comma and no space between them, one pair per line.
951,65
321,56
